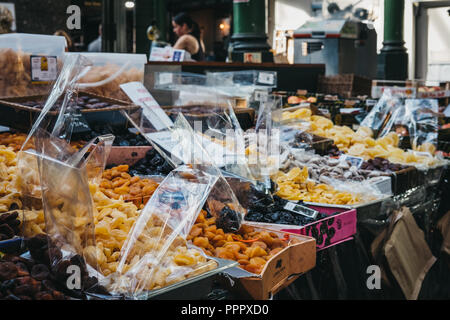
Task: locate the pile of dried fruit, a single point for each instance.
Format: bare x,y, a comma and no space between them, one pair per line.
251,248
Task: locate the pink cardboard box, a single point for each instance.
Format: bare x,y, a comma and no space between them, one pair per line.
328,231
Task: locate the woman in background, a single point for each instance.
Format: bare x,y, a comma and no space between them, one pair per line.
188,33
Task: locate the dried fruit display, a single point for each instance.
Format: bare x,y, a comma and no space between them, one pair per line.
295,185
9,225
250,248
158,258
322,168
117,182
152,164
15,75
113,221
10,191
361,142
38,279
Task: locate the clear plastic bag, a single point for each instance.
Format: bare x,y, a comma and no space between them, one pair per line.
16,51
385,113
155,253
263,144
422,119
199,152
109,70
63,176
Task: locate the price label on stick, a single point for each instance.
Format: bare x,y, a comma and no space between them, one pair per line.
266,78
355,161
151,109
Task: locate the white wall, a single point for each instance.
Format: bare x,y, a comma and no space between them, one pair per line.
291,14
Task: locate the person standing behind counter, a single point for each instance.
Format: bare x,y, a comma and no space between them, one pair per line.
188,34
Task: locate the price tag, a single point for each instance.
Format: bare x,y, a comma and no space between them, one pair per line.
324,111
43,69
252,57
434,94
261,96
77,122
355,161
350,110
266,78
151,109
178,55
302,210
384,185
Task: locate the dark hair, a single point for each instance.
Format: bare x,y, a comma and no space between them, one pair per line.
184,18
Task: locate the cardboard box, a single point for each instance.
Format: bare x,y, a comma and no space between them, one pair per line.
281,270
343,224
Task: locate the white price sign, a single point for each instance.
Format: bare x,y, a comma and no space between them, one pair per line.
355,161
266,78
151,109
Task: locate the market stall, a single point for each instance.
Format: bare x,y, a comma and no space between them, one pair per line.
206,197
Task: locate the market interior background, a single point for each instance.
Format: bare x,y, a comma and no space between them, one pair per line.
370,46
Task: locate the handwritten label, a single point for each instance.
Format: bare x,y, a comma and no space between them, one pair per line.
43,68
150,108
77,122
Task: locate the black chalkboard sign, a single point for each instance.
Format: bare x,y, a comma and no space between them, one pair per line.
76,122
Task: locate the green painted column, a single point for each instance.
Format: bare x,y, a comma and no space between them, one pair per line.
160,8
144,13
393,58
249,29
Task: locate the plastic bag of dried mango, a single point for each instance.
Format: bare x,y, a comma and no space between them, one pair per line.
155,253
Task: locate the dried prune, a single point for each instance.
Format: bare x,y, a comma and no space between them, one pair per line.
48,285
24,290
40,272
8,270
22,269
5,218
43,295
7,285
228,220
7,230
